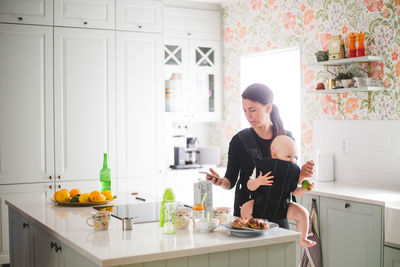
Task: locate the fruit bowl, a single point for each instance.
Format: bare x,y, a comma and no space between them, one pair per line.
80,204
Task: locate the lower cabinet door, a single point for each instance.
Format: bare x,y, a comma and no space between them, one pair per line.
20,240
392,257
44,254
351,233
70,258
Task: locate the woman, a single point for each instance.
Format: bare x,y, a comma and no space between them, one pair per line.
263,116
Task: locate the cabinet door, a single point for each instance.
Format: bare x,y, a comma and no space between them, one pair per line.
20,240
139,15
9,192
192,23
85,13
351,233
84,101
205,80
392,257
139,103
43,251
70,258
176,78
27,11
26,104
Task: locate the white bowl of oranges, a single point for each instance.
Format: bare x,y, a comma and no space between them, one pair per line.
75,198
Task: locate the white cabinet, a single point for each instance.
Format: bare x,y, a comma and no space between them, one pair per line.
139,15
392,257
139,104
192,64
351,233
85,13
9,192
27,11
26,104
84,101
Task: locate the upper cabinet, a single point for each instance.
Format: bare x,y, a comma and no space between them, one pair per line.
27,11
84,94
192,23
139,15
98,14
192,65
140,105
26,104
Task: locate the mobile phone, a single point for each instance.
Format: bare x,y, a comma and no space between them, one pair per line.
209,174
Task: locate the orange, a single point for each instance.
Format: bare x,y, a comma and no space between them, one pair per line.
103,198
108,194
95,196
74,192
62,195
84,198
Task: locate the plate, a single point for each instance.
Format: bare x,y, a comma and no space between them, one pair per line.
249,231
77,204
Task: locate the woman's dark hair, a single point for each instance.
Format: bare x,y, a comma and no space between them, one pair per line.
262,94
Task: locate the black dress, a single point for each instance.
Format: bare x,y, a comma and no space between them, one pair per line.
241,166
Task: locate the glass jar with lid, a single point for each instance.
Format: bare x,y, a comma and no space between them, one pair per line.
198,211
182,218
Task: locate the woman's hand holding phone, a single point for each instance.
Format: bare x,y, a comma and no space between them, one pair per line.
213,177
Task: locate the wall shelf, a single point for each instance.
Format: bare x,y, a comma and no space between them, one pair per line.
350,90
352,60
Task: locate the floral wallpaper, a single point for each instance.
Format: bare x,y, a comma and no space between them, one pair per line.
262,25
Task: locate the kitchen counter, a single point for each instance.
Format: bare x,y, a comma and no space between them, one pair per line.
145,242
369,194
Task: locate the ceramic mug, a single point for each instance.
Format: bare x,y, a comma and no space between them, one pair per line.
100,220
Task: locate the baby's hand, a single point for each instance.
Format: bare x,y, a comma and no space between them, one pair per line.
265,179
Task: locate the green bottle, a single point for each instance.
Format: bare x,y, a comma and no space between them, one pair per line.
105,175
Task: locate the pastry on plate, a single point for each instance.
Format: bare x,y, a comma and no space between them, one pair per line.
240,222
259,224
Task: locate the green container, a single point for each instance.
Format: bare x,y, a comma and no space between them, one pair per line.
105,175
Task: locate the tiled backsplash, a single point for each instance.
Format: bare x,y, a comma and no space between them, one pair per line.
364,151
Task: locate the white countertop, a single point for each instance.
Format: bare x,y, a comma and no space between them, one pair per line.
145,242
370,194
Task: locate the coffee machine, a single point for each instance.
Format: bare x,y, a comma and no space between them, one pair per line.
187,157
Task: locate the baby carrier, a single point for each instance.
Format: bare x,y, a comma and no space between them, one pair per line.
271,202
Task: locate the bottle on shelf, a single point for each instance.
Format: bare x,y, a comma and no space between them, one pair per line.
361,47
105,175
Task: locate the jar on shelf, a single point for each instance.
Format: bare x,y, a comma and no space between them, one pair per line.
182,218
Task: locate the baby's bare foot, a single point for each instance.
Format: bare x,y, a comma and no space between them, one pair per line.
306,243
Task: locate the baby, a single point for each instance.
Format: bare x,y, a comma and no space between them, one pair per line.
283,148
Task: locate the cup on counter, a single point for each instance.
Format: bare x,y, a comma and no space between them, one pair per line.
182,218
198,211
99,220
223,214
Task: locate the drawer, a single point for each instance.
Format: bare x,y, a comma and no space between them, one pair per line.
27,11
98,14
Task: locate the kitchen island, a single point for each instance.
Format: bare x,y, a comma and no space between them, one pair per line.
44,234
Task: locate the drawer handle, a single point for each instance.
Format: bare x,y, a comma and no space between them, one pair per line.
140,26
20,18
347,205
52,244
59,186
189,33
59,177
25,225
50,186
57,248
51,177
85,22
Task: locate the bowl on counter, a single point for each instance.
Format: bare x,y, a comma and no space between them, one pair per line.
202,225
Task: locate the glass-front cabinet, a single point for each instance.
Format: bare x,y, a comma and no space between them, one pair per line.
192,80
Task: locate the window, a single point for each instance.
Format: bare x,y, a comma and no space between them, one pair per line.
280,71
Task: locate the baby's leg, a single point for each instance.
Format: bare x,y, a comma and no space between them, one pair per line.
299,214
247,209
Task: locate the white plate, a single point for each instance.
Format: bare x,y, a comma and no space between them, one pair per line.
248,232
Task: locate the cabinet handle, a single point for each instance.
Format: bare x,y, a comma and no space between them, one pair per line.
347,205
57,248
85,22
25,225
20,18
140,26
59,186
189,33
59,177
51,177
52,244
50,186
